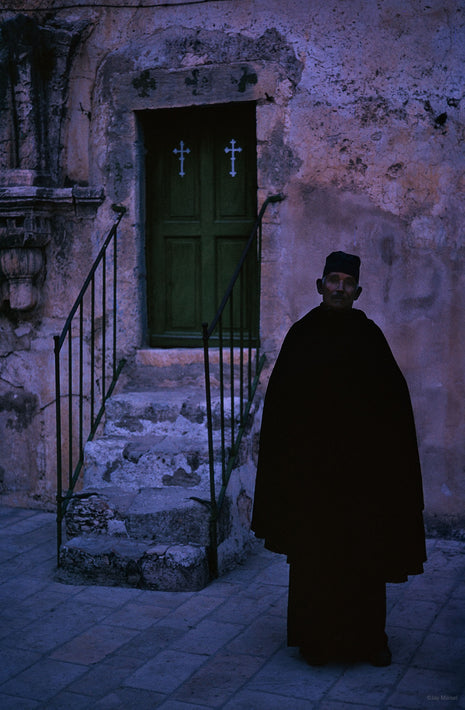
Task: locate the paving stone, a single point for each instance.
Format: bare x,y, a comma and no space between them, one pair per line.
459,590
136,615
45,601
70,701
366,684
13,614
126,698
11,547
395,591
10,626
10,515
207,637
242,575
404,642
105,677
147,644
9,702
287,674
441,652
169,599
261,638
31,523
15,566
43,680
44,570
105,596
429,587
431,543
218,679
6,553
56,628
14,660
279,607
446,559
248,700
36,561
221,588
413,614
166,672
178,705
424,688
196,608
94,645
36,536
451,619
245,606
341,705
277,573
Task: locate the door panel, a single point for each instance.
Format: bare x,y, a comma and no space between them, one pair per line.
201,206
181,282
228,251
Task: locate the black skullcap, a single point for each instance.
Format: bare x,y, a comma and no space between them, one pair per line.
344,263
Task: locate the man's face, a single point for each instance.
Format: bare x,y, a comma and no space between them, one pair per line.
339,290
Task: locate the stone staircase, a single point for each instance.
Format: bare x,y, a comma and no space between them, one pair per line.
142,515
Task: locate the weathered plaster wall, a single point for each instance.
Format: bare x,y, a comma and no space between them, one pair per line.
360,122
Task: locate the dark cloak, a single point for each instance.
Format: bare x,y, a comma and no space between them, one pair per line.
339,479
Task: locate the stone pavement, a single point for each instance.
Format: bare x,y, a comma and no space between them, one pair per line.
69,647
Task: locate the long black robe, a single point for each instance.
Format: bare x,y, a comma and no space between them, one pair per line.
339,482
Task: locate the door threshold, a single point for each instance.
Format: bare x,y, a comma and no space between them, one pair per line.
164,357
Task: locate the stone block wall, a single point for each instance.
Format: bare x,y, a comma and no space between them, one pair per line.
360,115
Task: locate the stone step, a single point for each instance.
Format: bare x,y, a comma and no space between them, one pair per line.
162,566
141,412
154,440
142,517
154,514
153,460
126,409
153,539
176,457
168,368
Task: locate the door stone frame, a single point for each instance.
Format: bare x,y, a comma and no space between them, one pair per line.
129,82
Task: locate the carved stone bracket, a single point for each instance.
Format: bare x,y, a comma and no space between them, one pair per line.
26,224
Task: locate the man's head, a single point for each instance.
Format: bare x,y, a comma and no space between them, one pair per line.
339,285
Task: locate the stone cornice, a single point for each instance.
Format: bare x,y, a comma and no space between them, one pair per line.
18,196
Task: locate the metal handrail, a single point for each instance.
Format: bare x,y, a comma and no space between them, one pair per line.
71,429
241,342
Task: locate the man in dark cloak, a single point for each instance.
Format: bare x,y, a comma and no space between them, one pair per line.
338,485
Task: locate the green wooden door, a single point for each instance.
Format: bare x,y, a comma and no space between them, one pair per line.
200,205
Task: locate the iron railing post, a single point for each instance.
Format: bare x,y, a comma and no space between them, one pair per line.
115,261
59,492
213,523
228,459
76,448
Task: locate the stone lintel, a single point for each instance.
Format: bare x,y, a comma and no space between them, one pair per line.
154,87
